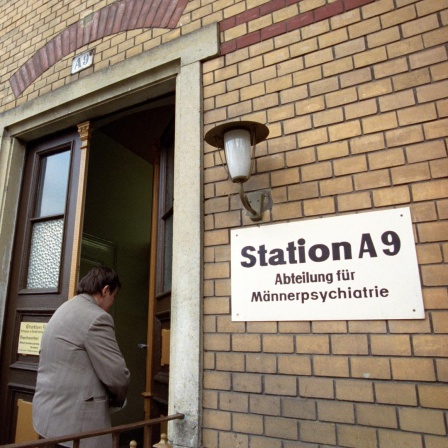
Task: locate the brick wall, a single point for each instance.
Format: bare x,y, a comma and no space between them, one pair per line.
39,38
355,94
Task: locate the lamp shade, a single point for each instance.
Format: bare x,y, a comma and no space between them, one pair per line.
238,154
238,139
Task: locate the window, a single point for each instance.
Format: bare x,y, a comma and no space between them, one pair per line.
47,221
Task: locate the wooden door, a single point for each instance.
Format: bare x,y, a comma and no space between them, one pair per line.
41,263
159,318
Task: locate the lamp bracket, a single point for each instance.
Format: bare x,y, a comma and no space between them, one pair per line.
256,203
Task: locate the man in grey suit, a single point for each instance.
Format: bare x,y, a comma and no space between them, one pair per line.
82,372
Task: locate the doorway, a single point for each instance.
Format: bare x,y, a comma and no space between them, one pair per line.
129,184
121,224
116,232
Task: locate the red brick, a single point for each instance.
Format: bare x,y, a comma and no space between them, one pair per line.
228,23
273,30
247,16
228,47
300,20
17,84
329,10
273,5
248,39
352,4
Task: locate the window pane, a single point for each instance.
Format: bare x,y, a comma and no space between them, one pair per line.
168,253
169,179
53,184
45,257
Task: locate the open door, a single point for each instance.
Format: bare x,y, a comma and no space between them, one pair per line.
127,221
159,313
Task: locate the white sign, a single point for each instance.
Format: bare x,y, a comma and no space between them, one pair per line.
353,267
82,61
30,337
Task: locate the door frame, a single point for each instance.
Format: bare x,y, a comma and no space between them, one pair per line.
174,66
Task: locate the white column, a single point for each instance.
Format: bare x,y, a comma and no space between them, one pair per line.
186,299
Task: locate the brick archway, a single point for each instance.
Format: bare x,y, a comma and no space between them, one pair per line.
123,15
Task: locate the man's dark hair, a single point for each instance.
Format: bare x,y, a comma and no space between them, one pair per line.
96,279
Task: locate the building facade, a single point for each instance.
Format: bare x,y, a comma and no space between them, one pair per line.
355,96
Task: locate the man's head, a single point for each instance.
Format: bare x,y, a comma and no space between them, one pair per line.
102,283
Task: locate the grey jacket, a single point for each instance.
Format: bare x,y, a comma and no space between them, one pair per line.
81,373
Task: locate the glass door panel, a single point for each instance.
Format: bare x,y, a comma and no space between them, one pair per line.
47,221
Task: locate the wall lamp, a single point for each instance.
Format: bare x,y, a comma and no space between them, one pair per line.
238,140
